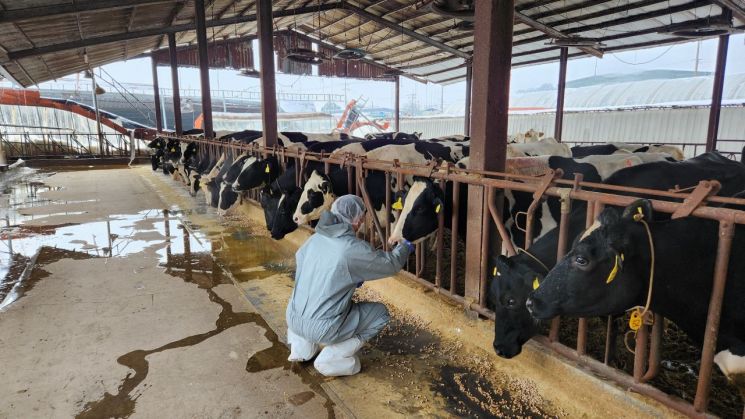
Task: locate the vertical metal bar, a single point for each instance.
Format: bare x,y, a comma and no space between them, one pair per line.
177,122
439,244
640,353
387,210
265,31
454,238
156,95
726,234
467,114
609,341
204,68
397,107
559,122
485,236
716,95
98,114
490,102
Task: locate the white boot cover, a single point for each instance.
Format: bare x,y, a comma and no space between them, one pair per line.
301,350
339,359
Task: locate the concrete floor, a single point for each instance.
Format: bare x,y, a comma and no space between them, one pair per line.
181,314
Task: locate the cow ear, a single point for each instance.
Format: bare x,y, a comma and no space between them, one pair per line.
502,263
640,209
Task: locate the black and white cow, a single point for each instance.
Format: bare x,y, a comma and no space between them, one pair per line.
543,147
397,136
228,196
157,147
608,272
320,192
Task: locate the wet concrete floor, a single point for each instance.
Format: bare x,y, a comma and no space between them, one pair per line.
125,297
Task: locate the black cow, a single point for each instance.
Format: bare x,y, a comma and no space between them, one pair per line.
663,175
666,176
512,280
608,272
579,152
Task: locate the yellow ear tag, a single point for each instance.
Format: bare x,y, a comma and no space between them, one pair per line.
437,208
398,205
495,272
173,150
614,271
536,284
635,322
266,170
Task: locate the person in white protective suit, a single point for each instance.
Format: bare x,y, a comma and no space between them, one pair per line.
331,264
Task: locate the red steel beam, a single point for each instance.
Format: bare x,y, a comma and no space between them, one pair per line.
716,95
266,62
491,72
178,124
204,67
559,123
156,96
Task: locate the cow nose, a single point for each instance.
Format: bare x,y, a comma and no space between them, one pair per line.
296,219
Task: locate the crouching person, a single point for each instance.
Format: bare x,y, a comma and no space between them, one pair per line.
330,266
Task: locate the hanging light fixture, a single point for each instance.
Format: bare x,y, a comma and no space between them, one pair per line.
249,72
99,90
88,74
390,74
702,28
350,54
305,56
576,41
459,9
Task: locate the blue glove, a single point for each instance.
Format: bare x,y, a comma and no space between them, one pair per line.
408,244
359,284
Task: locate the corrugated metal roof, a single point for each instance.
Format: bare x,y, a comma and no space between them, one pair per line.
675,92
37,44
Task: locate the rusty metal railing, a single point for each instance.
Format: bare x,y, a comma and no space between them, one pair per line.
596,196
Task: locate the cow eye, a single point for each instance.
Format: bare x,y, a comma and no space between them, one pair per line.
581,261
510,303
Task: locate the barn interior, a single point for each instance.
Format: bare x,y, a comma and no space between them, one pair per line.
226,316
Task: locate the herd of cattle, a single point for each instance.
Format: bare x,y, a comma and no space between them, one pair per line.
607,270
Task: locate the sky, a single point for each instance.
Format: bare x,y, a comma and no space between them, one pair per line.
381,94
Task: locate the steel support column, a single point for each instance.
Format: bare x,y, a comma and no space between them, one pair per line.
716,95
174,80
467,114
397,107
265,31
491,73
559,122
156,96
204,68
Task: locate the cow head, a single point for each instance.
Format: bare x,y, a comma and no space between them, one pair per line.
317,196
157,143
512,282
283,223
172,152
194,179
257,173
604,273
419,215
228,197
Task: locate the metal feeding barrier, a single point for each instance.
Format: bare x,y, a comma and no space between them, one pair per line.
43,144
647,354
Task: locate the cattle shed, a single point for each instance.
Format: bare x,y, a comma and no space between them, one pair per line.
439,41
